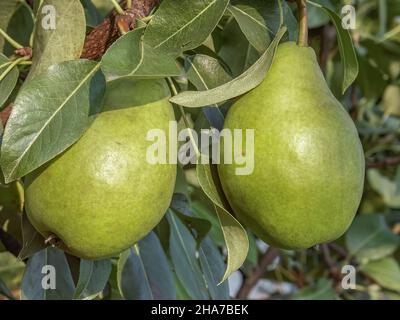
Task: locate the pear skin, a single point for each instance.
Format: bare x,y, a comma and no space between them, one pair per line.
101,196
309,163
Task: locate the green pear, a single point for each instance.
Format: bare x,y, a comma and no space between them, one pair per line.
101,196
309,164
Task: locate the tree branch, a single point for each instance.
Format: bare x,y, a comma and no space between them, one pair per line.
388,161
101,37
265,260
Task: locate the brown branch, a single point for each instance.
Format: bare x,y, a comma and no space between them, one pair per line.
333,268
265,260
388,161
327,36
102,36
5,114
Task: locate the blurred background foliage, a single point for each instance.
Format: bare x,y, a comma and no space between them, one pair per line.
372,243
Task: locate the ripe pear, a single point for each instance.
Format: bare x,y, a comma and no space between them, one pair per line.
309,164
101,196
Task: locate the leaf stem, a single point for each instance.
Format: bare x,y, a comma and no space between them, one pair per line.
148,18
117,7
280,14
303,23
14,43
129,4
11,66
185,120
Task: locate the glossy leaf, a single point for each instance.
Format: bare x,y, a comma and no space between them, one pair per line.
93,16
233,40
33,242
193,21
130,56
11,203
385,187
182,210
49,115
183,253
144,273
19,28
93,277
213,268
322,290
257,19
206,73
5,291
248,80
369,237
36,275
9,81
385,272
347,52
63,43
234,234
7,9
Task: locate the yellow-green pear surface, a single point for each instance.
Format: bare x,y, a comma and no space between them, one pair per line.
102,195
308,160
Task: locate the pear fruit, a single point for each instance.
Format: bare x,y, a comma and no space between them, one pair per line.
101,195
309,164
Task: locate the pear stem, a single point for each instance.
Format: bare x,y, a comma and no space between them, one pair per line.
303,23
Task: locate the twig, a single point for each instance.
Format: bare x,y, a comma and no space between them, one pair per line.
5,114
265,260
339,250
333,269
388,161
303,23
101,37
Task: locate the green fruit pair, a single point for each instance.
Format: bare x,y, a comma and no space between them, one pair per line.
101,195
308,160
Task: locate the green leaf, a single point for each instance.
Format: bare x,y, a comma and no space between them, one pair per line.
180,25
202,211
131,56
233,40
385,187
49,115
234,234
322,290
35,276
183,253
93,277
317,18
93,16
11,202
63,43
129,92
386,272
8,83
213,268
19,28
144,273
205,72
346,48
33,242
7,9
257,20
248,80
5,291
369,237
182,210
